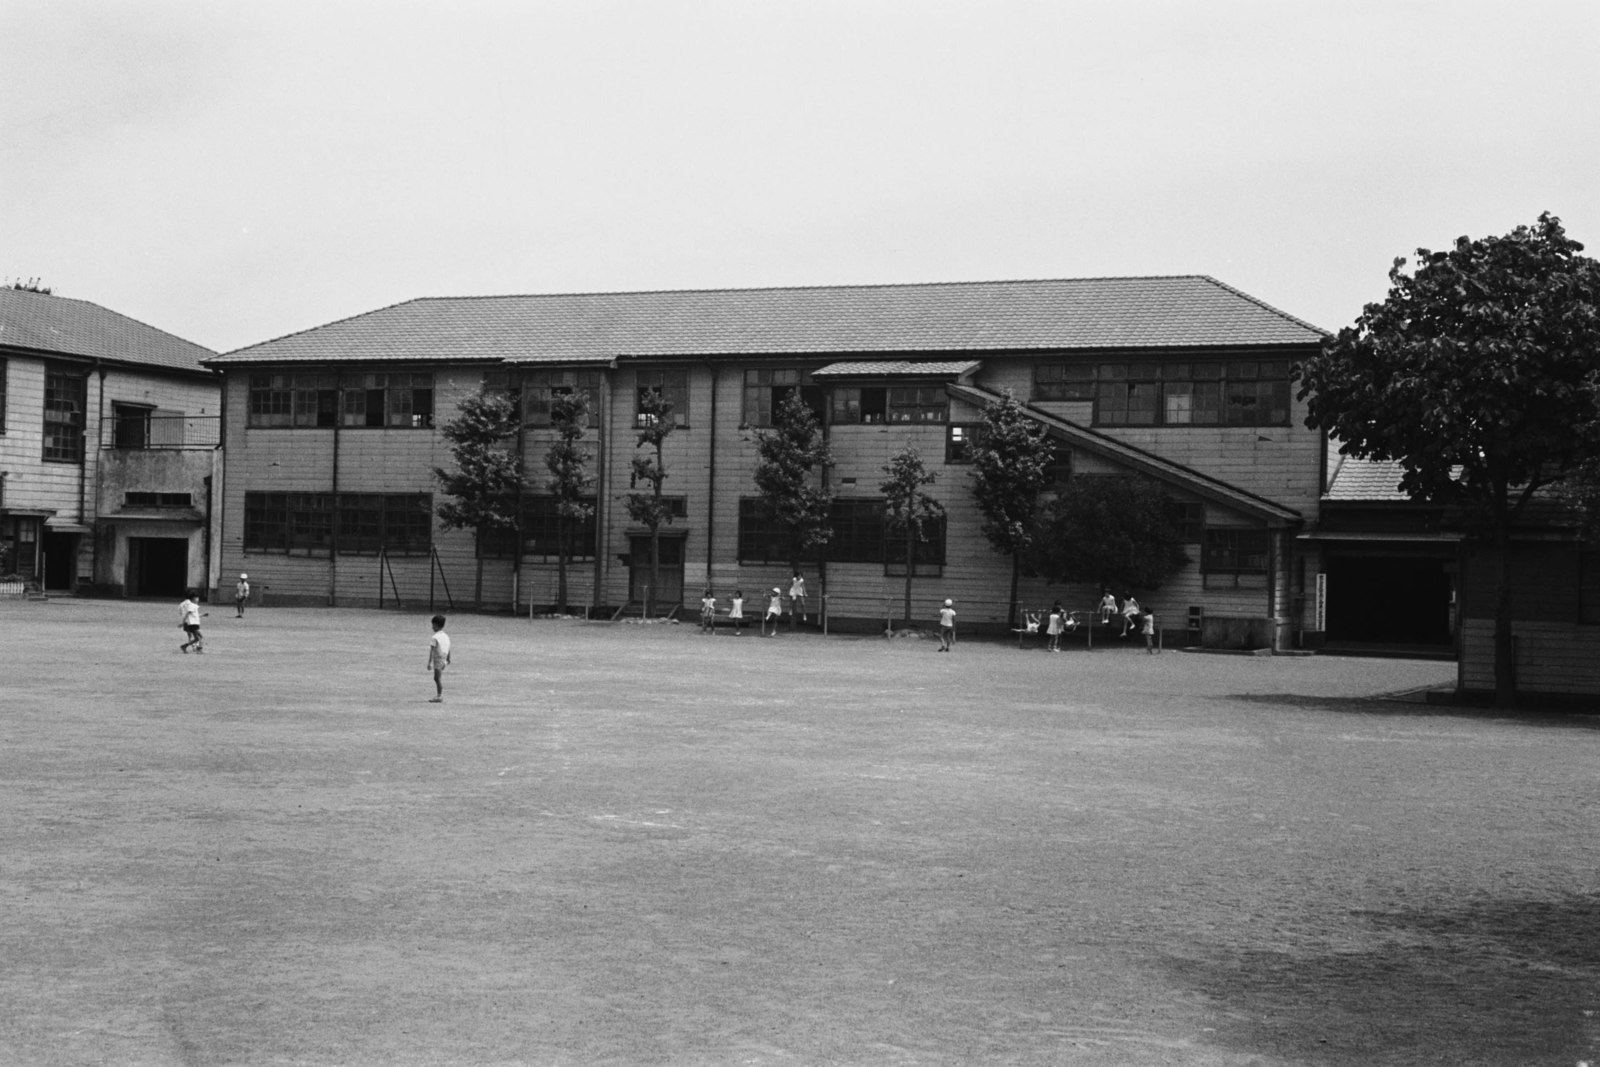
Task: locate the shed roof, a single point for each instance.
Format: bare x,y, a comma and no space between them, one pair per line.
59,325
1185,311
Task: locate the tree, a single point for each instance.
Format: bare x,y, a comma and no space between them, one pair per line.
1011,457
1478,373
483,487
650,509
1115,531
570,480
907,509
788,456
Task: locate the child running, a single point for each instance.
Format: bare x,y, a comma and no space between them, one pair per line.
438,658
191,614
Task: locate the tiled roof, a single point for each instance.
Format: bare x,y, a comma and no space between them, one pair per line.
897,368
1365,480
1088,313
57,324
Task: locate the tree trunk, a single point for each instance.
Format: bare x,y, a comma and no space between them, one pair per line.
655,573
477,589
563,537
911,555
1011,608
1505,654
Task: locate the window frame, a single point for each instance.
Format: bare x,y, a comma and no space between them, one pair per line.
1208,393
62,438
672,384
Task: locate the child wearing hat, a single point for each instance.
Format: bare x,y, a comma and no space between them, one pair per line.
947,625
241,594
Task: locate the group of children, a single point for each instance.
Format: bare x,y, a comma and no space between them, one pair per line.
1060,621
774,612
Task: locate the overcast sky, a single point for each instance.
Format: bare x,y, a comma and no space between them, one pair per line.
234,171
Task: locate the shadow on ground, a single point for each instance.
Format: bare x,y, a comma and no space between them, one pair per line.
1412,704
1491,982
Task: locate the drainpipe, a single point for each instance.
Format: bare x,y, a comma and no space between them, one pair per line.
602,509
711,476
333,534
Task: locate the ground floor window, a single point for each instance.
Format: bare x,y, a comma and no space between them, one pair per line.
1235,558
304,523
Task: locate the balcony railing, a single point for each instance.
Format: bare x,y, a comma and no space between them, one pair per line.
154,430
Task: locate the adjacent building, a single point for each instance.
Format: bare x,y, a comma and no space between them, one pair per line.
332,436
109,433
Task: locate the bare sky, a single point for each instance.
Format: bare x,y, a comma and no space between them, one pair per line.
234,171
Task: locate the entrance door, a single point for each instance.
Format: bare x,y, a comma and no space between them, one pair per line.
671,577
157,566
1388,600
60,560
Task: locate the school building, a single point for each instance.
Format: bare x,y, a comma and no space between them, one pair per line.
332,435
109,434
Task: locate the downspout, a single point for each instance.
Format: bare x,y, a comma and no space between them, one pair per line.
711,476
522,464
83,470
602,509
827,477
333,533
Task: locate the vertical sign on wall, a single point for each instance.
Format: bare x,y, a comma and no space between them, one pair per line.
1322,602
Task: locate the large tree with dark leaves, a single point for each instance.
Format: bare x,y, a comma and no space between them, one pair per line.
789,458
482,489
1011,455
1479,373
1113,531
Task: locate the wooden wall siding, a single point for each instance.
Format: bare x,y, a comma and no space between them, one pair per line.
1551,657
1544,582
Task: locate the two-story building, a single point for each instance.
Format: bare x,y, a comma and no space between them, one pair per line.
332,435
109,431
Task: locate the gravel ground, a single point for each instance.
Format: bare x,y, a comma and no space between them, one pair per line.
635,844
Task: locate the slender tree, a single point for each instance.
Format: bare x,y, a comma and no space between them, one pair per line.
908,510
482,490
570,481
1011,456
1480,374
1112,531
649,509
788,458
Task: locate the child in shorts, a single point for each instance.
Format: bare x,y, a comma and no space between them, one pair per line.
438,658
947,626
190,614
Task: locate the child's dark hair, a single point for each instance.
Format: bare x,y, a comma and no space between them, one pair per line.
438,622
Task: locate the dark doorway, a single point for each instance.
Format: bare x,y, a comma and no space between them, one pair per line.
60,560
1388,600
670,592
157,566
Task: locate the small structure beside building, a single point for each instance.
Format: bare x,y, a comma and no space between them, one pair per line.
109,437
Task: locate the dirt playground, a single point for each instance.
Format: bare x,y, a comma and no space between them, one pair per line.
635,844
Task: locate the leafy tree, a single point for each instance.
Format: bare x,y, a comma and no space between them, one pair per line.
1478,373
570,480
1114,531
649,509
483,487
788,456
908,510
1011,457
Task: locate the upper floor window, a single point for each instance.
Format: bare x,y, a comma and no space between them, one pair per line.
541,387
958,439
765,390
157,500
65,400
1234,393
130,425
394,400
899,403
672,386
